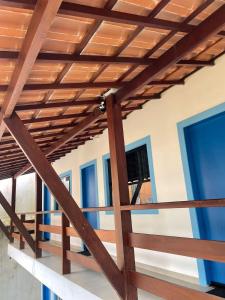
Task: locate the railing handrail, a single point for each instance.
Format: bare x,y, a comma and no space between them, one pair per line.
160,205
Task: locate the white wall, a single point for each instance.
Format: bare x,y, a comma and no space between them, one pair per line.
204,90
25,194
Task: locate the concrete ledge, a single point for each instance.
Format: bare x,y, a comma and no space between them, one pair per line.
59,284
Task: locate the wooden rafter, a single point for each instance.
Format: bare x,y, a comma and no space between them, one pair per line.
85,85
40,23
93,59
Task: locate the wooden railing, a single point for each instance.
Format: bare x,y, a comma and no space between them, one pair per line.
190,247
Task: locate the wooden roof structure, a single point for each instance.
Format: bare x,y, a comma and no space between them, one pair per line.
60,59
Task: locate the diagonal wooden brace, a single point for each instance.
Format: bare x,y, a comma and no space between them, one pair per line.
18,223
66,201
6,231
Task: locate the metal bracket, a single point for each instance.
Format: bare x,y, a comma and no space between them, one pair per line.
102,105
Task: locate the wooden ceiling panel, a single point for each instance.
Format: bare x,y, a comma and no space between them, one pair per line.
92,93
113,72
31,96
134,73
141,7
81,72
94,3
215,4
108,38
168,45
178,10
146,40
71,35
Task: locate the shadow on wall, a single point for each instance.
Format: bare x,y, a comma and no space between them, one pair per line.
15,282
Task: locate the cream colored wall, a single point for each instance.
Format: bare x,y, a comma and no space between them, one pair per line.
158,119
25,194
204,90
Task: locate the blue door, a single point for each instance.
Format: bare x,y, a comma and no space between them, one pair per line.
90,192
47,207
205,142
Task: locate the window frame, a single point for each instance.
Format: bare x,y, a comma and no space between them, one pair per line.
144,141
63,175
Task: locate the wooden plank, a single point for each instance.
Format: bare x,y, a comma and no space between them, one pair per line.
66,265
41,21
48,247
66,201
120,193
209,250
50,228
177,204
167,290
16,236
7,233
104,235
38,217
18,223
201,33
29,226
85,261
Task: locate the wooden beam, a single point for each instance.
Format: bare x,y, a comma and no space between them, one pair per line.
209,250
18,223
66,201
6,231
167,290
13,202
41,21
85,85
201,33
38,217
67,137
60,104
177,204
66,265
85,261
120,193
98,59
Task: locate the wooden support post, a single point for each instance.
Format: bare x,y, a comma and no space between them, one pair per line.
20,226
38,217
123,222
66,201
66,264
6,231
13,203
21,242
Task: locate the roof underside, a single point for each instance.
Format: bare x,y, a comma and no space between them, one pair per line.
88,52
